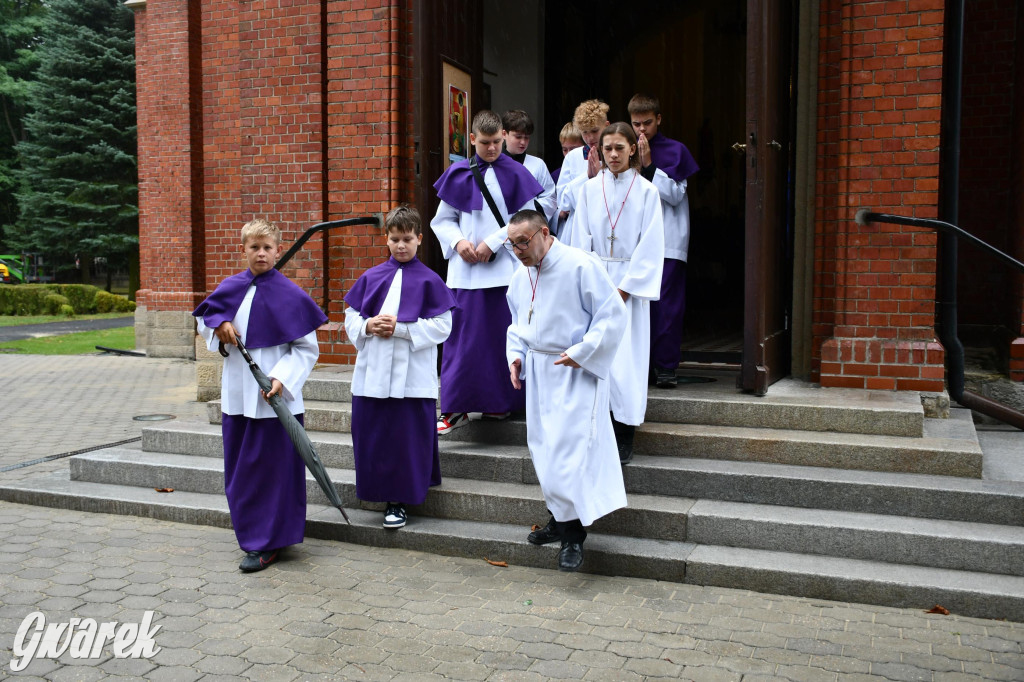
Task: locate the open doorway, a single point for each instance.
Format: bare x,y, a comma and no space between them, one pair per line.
546,57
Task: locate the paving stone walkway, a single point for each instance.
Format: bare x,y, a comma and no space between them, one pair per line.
333,611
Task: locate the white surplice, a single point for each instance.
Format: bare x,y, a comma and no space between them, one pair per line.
539,170
403,365
575,310
570,182
451,226
675,207
289,363
634,263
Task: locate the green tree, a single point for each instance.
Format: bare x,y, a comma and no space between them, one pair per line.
21,27
78,189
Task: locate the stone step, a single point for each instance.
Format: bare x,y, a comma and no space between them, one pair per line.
718,403
957,545
923,496
948,447
945,544
790,404
648,516
842,579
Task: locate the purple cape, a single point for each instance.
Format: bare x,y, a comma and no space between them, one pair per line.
281,311
672,157
457,187
424,293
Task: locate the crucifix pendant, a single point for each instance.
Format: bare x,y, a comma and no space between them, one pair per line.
611,248
529,315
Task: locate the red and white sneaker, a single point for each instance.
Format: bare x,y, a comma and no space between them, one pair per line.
449,421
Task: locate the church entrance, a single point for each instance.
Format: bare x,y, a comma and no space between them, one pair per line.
720,70
690,55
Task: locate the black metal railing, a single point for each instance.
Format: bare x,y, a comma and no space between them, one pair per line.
323,227
948,332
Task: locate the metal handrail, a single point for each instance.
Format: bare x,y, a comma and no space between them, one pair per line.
323,227
866,217
968,399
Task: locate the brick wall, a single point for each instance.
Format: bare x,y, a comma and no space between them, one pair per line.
369,139
880,79
295,110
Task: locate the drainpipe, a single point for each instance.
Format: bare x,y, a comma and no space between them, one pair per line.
949,194
949,207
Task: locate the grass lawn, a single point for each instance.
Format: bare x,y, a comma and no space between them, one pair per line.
18,320
80,343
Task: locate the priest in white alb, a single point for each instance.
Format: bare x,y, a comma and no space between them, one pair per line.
619,219
567,323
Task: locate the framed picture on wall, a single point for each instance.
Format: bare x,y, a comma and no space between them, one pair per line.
457,85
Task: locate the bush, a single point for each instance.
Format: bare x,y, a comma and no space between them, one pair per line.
82,297
67,311
34,299
107,302
23,299
54,303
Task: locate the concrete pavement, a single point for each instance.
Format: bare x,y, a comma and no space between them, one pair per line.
336,611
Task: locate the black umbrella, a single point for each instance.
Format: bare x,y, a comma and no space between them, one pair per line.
300,439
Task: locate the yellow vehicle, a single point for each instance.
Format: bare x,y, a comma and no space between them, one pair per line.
5,275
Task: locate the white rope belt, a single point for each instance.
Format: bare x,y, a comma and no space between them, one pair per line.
615,260
545,352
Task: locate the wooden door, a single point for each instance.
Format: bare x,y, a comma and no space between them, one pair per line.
445,32
767,266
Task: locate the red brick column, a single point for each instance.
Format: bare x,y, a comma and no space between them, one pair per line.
879,96
170,177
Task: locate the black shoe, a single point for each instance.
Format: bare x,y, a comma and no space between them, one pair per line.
543,536
257,561
570,558
624,441
666,378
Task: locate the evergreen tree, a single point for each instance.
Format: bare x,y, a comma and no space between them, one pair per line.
78,181
21,25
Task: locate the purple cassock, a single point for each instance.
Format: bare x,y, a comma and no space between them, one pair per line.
474,370
395,439
667,313
264,477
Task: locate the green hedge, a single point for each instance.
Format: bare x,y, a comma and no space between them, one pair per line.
40,299
107,302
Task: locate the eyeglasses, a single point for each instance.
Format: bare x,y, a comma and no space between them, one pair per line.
520,246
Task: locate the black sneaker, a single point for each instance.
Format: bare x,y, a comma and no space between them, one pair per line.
394,516
257,561
665,378
543,536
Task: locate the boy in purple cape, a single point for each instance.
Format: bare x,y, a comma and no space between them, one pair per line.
474,376
398,312
666,163
264,477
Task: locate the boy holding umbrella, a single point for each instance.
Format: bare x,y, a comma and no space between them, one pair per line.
264,477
